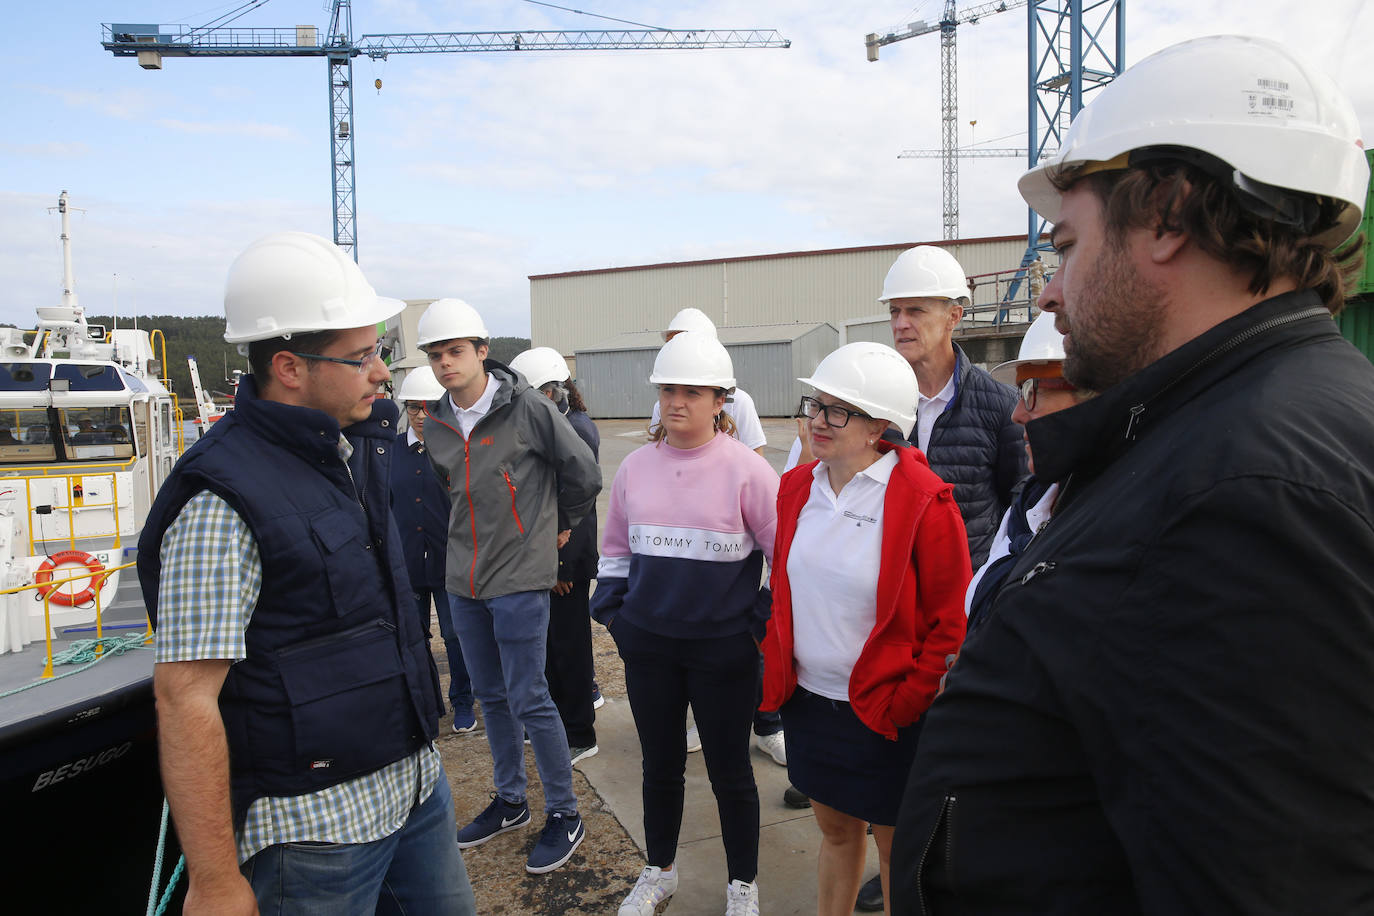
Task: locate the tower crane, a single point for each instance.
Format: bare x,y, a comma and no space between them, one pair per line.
151,43
949,22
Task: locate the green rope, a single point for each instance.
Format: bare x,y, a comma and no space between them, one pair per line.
83,652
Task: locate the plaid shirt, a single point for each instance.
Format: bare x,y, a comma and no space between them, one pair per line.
211,578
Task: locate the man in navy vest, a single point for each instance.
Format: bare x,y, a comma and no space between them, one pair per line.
297,699
419,499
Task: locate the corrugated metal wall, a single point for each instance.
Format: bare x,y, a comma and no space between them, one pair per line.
614,382
571,312
1356,322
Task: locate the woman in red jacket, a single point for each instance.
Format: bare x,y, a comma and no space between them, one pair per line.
869,569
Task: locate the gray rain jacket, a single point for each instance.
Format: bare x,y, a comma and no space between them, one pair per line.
521,477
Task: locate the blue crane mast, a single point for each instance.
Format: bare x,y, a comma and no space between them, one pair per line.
151,43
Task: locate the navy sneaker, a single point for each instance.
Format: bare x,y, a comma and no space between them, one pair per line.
499,817
464,721
598,700
562,834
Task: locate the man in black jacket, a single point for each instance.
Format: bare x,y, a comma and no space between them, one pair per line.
1167,709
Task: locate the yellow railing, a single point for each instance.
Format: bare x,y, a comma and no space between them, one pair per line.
72,505
167,383
97,583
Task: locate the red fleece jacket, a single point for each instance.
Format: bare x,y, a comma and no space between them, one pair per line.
922,575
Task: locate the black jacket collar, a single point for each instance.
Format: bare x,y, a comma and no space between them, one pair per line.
1089,436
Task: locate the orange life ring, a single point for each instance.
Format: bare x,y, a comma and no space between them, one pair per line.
57,595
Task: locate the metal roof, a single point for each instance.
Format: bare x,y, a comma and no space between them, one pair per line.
746,334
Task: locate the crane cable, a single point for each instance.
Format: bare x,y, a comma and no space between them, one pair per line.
568,9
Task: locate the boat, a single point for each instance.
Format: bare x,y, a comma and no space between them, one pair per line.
88,433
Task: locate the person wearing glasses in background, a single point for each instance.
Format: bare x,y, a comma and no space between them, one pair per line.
1038,373
297,699
870,567
419,500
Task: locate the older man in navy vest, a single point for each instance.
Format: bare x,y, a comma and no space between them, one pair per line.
297,698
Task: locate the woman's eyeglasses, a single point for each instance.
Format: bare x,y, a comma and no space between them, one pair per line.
835,415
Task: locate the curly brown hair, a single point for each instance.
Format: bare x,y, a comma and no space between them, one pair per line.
1173,195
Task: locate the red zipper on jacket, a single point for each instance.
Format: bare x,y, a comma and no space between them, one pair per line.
467,491
513,510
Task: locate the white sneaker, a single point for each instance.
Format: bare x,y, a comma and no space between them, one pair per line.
653,887
742,899
774,746
693,740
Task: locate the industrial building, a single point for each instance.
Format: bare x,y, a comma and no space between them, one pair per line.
772,310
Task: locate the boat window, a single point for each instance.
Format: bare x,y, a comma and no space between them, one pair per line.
97,432
90,377
25,436
80,376
24,376
141,416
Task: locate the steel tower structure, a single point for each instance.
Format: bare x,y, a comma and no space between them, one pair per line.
949,89
151,43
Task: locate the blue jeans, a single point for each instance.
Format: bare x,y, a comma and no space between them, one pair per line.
503,640
416,870
459,686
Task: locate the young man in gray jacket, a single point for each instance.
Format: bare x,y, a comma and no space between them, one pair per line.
520,479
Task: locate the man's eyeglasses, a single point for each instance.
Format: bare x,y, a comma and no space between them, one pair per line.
380,353
412,407
1030,389
835,415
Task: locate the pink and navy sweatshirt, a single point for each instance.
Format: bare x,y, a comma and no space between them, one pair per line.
685,538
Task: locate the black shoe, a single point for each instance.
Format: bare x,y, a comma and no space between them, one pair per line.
795,798
870,896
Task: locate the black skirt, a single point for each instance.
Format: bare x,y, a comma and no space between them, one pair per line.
838,761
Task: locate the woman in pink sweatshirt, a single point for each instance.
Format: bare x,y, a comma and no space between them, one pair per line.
690,524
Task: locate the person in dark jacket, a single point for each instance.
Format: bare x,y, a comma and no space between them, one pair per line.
1038,372
568,661
297,700
419,500
1167,707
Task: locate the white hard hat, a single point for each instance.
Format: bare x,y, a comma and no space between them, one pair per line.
874,378
297,283
541,365
449,319
925,271
690,319
1042,344
693,358
1278,123
420,385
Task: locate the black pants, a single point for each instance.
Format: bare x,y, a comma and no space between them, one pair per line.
568,663
719,678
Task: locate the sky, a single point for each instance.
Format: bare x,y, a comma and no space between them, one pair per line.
475,171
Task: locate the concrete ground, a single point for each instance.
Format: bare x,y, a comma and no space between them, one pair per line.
607,864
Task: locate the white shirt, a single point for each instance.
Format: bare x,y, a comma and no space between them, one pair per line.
468,416
412,439
741,409
1036,516
832,568
927,409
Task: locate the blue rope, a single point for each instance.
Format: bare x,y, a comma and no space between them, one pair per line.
157,869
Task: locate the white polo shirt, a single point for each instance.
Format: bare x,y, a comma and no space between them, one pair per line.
928,409
832,568
468,416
